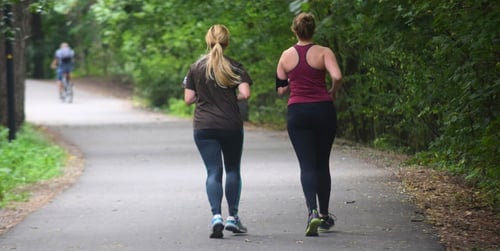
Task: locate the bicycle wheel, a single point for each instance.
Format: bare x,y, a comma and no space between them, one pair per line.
69,92
63,92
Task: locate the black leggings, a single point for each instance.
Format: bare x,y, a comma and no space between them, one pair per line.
312,128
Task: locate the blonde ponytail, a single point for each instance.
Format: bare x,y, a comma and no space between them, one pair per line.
218,67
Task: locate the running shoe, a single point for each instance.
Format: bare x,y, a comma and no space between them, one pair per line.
234,225
327,222
313,223
217,227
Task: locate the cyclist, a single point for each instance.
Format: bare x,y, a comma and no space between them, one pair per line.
63,62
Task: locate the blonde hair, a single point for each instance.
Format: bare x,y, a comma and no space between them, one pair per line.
218,67
303,25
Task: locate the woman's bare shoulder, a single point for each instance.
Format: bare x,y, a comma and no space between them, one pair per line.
321,48
289,51
288,55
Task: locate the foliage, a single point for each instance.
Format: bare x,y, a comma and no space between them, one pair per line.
419,76
177,107
155,44
35,7
27,159
438,91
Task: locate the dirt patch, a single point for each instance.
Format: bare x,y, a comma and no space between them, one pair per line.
461,218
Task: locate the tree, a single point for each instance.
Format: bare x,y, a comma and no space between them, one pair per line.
19,33
419,76
38,61
153,42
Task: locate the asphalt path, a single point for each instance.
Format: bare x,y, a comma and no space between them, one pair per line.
143,189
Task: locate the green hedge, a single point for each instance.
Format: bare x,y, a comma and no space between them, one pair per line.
29,158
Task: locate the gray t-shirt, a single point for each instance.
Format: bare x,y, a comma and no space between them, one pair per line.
64,55
216,107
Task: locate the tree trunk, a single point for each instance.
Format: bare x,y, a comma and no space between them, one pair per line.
37,42
3,77
20,24
22,21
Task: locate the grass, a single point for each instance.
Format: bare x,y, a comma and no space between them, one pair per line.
30,158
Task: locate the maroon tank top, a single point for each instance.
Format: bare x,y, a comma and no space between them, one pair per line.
307,84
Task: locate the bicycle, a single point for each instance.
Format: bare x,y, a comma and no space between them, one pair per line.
67,93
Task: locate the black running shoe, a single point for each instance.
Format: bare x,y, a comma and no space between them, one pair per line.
327,222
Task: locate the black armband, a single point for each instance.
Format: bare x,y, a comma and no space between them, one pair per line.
281,83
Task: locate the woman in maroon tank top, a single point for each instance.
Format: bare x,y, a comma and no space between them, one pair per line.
311,116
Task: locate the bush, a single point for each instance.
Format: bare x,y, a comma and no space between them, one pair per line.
29,158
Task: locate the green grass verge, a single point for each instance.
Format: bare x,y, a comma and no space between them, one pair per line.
31,157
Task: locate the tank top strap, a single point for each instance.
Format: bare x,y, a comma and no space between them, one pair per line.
302,52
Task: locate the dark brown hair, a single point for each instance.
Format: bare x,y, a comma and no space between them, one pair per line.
303,26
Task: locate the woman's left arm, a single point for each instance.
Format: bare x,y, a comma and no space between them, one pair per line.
333,69
189,96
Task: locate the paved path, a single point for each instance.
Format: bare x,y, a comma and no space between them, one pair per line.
143,189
